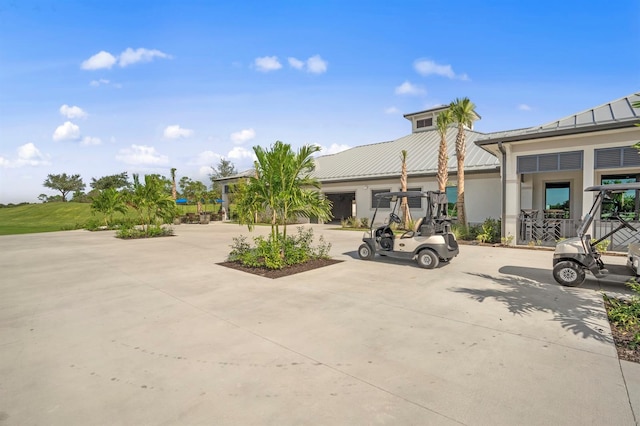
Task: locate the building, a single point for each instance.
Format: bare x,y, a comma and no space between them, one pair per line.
351,178
545,170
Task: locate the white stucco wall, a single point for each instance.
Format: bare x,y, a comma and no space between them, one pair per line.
482,194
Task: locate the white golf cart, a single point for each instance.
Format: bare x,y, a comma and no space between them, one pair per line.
574,256
429,242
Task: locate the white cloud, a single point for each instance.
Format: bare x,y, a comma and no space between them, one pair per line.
267,63
67,131
524,107
426,67
333,149
240,153
177,132
206,158
131,56
98,61
27,155
407,88
392,110
89,140
100,82
316,65
243,136
296,63
72,111
141,155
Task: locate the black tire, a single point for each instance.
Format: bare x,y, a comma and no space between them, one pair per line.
365,252
569,273
427,259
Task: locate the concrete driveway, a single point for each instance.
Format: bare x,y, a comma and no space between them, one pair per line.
100,331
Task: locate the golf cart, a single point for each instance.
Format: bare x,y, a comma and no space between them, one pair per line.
429,242
574,256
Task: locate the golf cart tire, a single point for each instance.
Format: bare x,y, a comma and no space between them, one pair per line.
427,259
365,252
569,273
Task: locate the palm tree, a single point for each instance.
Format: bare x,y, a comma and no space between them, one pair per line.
463,112
282,186
174,193
404,205
150,200
443,121
108,201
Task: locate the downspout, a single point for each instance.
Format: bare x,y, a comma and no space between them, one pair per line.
503,178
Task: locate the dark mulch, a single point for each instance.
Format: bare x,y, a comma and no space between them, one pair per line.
284,272
623,339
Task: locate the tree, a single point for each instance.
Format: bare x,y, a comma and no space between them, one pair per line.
463,113
193,190
443,121
118,181
283,187
225,168
151,201
65,184
174,193
404,205
109,201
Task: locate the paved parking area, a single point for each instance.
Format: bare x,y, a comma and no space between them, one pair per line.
100,331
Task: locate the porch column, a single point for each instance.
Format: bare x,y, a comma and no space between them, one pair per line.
511,195
588,178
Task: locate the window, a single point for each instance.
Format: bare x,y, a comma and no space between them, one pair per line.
414,202
384,204
426,122
452,199
557,196
227,189
607,158
627,202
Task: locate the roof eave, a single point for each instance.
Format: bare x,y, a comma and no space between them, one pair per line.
554,133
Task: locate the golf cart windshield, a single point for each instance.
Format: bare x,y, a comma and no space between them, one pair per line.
436,202
603,194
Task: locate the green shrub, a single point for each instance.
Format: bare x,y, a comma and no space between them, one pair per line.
131,232
293,250
490,231
364,222
466,233
625,314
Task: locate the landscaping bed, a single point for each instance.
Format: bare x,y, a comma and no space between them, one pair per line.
278,273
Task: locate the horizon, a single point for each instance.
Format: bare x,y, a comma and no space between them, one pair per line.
98,89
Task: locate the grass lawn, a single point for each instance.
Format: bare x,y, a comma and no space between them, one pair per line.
45,217
50,217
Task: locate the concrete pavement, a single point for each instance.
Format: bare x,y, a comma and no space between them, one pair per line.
99,331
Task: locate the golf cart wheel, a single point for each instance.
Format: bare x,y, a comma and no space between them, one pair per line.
569,273
365,252
427,259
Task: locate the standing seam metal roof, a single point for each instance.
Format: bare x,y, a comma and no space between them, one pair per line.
619,111
383,159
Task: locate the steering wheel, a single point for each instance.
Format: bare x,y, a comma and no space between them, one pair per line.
394,218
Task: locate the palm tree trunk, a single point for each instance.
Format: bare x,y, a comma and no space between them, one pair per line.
443,172
460,154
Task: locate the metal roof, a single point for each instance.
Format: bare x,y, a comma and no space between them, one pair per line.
611,115
383,159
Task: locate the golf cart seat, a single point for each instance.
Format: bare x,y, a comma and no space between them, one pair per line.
415,231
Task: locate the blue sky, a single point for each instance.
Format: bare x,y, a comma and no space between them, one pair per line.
101,87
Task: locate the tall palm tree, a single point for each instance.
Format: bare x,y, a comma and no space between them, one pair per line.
174,193
283,186
443,121
464,113
404,205
150,200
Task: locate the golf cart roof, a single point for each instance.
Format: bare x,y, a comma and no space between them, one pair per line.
614,187
408,194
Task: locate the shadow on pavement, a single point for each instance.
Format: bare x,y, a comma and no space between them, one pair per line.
525,291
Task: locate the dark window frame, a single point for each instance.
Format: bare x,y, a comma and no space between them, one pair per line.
424,122
558,185
634,215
